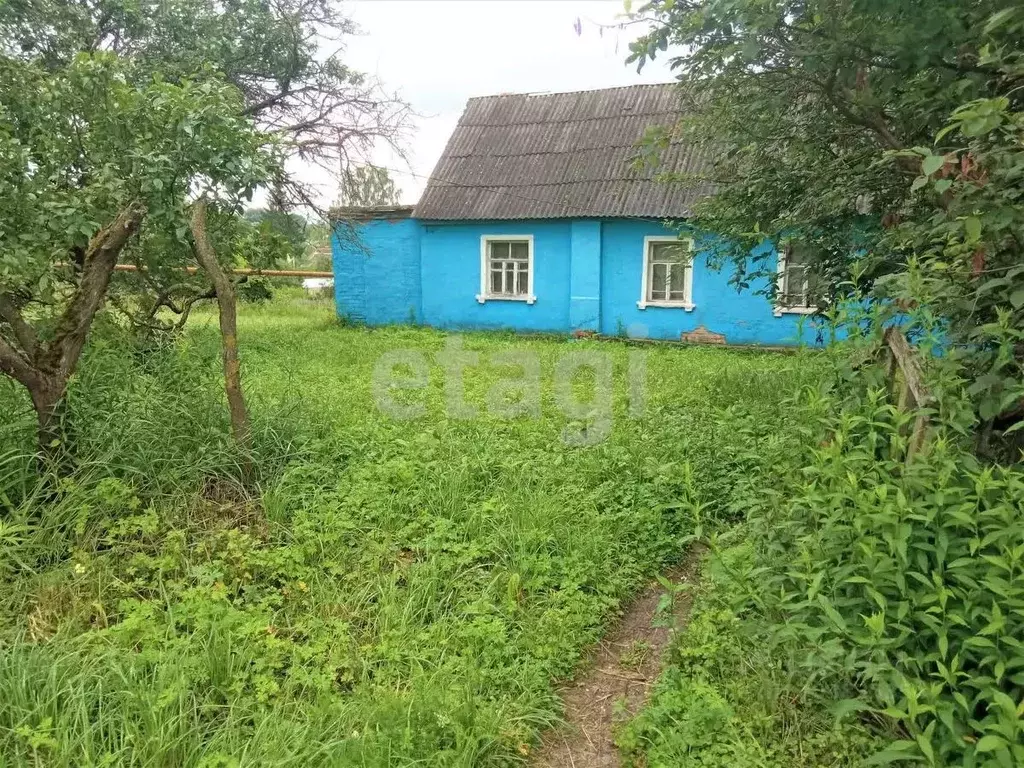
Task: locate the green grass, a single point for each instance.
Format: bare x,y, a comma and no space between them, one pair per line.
394,592
727,698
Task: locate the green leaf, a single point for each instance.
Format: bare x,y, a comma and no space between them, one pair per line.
942,133
831,612
1015,427
925,745
844,707
898,750
931,164
972,228
990,743
997,20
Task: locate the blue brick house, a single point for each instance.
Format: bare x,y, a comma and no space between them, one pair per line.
535,219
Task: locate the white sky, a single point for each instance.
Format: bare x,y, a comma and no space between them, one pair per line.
438,53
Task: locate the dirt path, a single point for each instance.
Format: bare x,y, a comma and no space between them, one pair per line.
620,672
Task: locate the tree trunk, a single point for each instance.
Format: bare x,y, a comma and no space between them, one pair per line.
48,401
227,307
44,367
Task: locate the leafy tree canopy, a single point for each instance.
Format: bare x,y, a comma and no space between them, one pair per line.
367,185
886,134
291,227
275,53
88,152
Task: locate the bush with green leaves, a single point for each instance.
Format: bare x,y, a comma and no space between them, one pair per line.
885,139
726,699
881,589
89,156
908,580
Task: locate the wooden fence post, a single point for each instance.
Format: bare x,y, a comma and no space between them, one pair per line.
902,363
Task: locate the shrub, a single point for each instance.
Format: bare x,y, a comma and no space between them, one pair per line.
908,581
872,587
256,290
728,697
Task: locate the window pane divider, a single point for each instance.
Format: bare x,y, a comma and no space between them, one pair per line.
510,268
647,276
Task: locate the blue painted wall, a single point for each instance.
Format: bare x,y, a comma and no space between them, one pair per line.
450,268
587,275
743,317
377,271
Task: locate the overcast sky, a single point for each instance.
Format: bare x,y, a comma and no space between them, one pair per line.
438,53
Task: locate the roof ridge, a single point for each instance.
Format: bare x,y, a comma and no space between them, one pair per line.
543,94
591,119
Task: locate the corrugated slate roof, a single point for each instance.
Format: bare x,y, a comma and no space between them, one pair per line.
531,156
369,212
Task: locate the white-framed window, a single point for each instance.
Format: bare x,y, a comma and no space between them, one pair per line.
506,268
798,290
668,273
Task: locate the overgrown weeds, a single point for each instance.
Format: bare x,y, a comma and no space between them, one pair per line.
726,698
396,592
888,594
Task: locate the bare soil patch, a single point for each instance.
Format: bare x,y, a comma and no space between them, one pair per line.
614,682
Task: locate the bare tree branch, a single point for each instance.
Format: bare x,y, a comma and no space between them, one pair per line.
16,366
875,122
73,326
24,334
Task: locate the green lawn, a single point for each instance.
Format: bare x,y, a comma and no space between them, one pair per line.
395,592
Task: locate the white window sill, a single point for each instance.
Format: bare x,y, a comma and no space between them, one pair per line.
667,304
482,298
780,311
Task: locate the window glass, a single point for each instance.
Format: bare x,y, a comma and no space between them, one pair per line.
800,287
523,281
520,250
659,281
794,293
508,263
677,283
668,263
673,253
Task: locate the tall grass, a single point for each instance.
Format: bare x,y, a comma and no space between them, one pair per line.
392,592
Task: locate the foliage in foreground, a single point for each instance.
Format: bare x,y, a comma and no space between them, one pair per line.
398,593
284,59
115,116
883,139
114,158
889,593
725,699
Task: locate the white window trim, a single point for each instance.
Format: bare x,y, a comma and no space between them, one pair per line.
687,303
780,285
485,294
